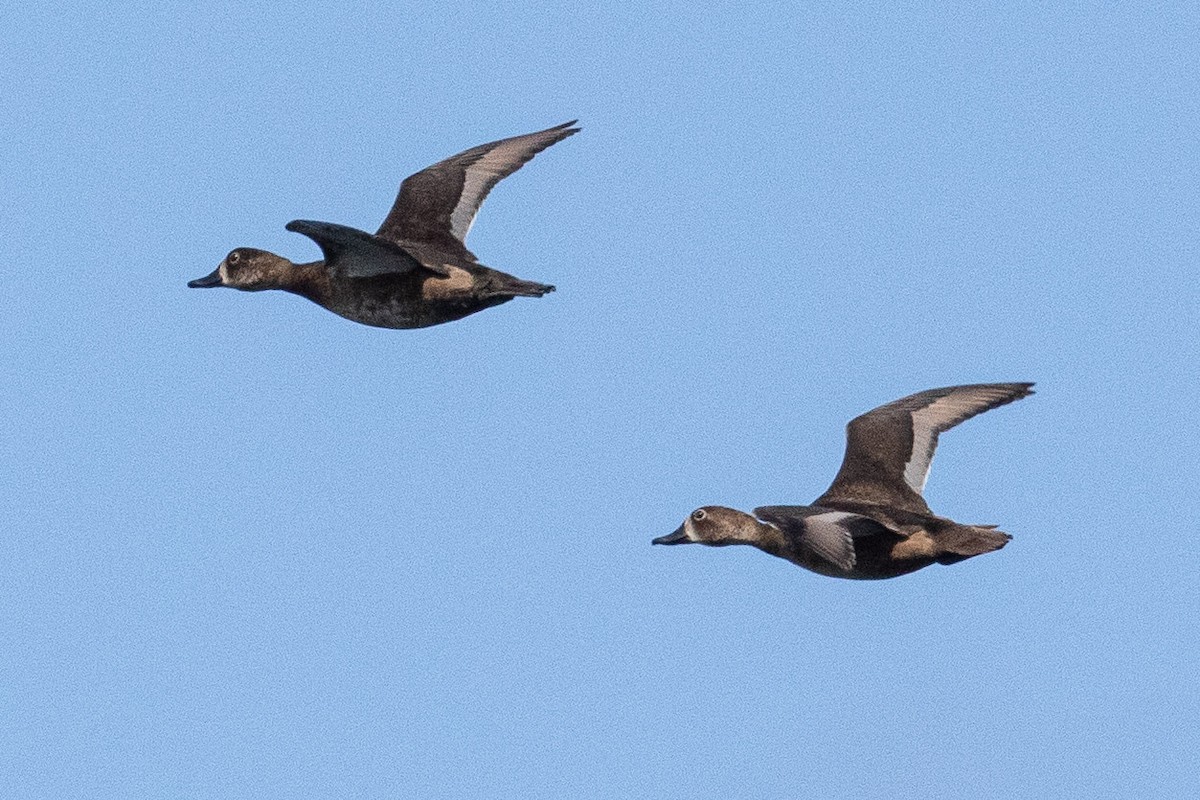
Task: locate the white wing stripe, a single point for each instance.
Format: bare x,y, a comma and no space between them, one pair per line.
480,177
940,415
463,216
927,423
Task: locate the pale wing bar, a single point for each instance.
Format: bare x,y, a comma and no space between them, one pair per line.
940,410
827,534
501,160
440,202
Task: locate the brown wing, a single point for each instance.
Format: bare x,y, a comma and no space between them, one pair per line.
889,449
352,253
438,204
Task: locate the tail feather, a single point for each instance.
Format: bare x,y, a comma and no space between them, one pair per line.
965,541
520,288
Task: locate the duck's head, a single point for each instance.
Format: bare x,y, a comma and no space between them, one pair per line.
716,526
247,269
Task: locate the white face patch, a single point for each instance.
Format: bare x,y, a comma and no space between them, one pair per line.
687,529
223,271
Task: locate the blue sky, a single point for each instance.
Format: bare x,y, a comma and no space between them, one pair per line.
255,550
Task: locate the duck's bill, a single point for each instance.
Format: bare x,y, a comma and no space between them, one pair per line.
208,281
678,537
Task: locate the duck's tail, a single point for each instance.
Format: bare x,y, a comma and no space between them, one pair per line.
519,288
963,541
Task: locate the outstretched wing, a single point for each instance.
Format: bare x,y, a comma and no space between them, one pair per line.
439,203
352,253
826,534
889,449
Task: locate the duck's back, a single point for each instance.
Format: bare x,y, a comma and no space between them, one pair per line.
916,541
895,542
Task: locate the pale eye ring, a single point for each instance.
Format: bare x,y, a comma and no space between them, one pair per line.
699,514
233,257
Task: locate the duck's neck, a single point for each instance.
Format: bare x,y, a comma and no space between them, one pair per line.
309,280
771,540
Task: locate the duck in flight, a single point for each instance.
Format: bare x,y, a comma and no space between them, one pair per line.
416,270
873,521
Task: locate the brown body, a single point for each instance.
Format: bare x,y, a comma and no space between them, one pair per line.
872,523
412,299
416,270
878,551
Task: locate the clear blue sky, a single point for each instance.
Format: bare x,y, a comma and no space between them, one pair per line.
253,550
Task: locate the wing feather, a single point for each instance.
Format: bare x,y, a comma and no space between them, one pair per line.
352,253
439,204
822,532
890,448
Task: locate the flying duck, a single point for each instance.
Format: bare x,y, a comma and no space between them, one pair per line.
872,522
416,269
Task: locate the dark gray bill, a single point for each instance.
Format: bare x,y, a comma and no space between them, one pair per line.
678,537
208,281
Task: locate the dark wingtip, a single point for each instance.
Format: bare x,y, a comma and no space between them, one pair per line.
1022,390
565,129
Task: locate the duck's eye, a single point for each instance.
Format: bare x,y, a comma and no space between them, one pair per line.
699,514
233,258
